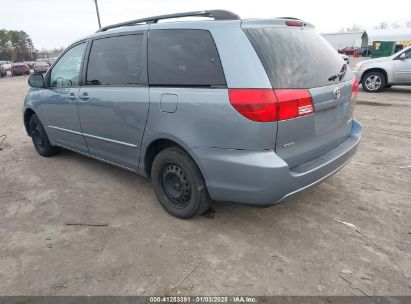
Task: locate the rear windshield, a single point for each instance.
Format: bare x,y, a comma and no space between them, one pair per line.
297,57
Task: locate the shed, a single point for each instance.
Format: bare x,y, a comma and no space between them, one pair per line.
345,39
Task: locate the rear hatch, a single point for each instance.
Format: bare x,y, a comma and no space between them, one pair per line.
298,60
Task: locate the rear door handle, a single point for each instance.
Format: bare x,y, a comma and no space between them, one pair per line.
84,96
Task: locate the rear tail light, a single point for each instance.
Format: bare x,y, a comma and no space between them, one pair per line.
254,104
293,103
354,89
266,105
294,23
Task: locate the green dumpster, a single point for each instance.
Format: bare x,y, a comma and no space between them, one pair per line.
382,49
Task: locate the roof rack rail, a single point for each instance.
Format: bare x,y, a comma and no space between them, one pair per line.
216,14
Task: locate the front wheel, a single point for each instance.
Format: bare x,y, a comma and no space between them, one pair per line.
40,139
179,184
374,82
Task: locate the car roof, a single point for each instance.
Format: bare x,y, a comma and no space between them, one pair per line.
174,21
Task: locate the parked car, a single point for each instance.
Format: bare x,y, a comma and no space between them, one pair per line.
349,51
20,68
30,64
379,73
6,65
41,67
46,60
3,72
208,110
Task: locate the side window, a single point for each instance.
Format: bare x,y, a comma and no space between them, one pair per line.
184,58
66,72
408,54
117,61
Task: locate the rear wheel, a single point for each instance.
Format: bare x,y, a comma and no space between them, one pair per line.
179,184
374,82
40,139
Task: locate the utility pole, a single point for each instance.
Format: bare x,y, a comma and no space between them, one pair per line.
98,14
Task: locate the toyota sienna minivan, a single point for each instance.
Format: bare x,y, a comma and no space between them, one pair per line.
250,111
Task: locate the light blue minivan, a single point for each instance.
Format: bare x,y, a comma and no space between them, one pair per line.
247,111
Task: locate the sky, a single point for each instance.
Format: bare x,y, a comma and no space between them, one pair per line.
57,23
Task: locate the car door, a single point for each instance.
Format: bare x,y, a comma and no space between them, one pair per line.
402,68
114,101
60,103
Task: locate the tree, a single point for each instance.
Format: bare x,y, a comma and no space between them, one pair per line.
408,24
395,25
354,28
382,25
16,46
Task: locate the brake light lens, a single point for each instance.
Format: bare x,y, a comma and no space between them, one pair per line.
267,105
293,103
294,23
254,104
354,89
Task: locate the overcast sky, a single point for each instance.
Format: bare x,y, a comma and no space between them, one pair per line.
55,23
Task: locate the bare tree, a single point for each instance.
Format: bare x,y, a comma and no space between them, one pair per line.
354,28
382,25
408,24
395,25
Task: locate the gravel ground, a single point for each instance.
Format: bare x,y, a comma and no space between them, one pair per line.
301,247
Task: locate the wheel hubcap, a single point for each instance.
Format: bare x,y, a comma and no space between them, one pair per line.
373,82
176,185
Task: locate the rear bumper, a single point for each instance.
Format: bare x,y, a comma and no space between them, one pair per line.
17,73
262,178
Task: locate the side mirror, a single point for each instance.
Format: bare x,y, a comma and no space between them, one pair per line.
36,81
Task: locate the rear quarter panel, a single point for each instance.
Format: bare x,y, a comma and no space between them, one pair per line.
205,117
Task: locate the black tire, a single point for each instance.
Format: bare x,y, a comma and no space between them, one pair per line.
40,139
374,82
179,184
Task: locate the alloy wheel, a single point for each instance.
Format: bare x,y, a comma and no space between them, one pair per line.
373,82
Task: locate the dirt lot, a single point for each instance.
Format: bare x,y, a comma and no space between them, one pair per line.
296,248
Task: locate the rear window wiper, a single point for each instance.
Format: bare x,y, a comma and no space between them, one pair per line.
340,75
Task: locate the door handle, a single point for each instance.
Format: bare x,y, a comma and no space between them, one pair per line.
84,96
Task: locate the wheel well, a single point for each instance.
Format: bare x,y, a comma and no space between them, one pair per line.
27,115
375,70
153,149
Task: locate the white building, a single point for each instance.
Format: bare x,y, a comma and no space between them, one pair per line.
398,35
367,37
342,40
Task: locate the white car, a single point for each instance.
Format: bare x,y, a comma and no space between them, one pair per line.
379,73
6,65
